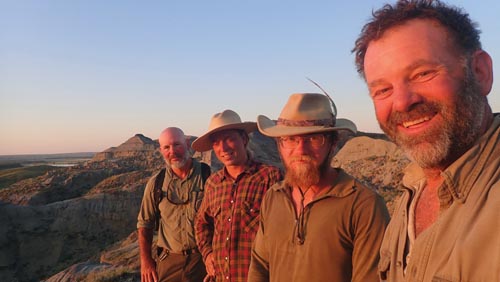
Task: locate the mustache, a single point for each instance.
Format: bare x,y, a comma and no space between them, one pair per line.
177,156
301,158
417,111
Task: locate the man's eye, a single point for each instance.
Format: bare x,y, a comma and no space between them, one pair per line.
315,137
424,75
381,93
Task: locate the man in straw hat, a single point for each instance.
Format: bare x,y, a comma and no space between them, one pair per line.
228,217
318,224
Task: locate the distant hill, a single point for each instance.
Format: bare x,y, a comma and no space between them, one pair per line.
34,158
78,223
136,145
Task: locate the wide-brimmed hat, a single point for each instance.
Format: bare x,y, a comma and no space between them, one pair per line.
305,113
228,119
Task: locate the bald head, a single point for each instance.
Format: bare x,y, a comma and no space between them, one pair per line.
173,131
174,147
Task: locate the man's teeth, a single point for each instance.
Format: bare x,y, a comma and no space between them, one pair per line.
417,121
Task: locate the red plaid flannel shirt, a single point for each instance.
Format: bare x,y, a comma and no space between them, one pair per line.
227,220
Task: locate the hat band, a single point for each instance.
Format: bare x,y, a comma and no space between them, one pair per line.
313,122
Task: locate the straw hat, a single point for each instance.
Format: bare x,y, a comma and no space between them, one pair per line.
221,121
305,113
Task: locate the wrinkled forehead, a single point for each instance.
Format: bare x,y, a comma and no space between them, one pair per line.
171,139
404,45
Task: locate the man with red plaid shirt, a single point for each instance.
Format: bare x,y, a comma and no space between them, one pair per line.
227,220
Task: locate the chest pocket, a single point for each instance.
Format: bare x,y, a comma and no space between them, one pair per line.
250,216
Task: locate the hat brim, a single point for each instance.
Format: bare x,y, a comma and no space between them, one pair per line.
203,143
269,127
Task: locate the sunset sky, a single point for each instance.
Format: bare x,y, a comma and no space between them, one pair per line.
82,76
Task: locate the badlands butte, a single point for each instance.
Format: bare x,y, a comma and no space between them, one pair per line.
79,223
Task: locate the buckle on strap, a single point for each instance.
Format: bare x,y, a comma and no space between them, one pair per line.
163,253
190,251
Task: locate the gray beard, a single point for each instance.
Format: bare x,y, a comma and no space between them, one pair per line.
180,164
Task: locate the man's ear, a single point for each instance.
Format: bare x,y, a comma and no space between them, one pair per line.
482,68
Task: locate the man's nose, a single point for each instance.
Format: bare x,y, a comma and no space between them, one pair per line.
302,146
224,146
405,97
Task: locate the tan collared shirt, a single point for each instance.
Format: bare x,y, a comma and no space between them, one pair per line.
464,242
176,231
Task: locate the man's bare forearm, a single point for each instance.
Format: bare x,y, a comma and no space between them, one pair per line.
145,242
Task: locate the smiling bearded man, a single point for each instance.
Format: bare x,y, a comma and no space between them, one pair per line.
428,77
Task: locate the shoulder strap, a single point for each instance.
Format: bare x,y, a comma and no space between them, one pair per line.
157,195
205,173
158,185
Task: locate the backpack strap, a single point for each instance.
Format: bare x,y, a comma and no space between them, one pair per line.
205,173
158,195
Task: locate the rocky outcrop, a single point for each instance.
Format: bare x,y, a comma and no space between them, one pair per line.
137,145
375,162
38,240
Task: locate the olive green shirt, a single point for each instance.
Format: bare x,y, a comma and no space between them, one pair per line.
463,244
176,228
341,230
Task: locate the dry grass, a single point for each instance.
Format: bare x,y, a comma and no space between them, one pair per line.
13,175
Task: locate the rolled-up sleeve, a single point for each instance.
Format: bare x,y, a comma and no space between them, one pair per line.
147,212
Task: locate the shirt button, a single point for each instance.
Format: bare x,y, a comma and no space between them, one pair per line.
227,277
232,201
227,238
226,258
229,219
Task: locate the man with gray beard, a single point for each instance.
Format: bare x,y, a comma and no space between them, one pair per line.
428,78
181,187
319,224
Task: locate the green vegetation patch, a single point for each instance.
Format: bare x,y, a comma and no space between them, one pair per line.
13,175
